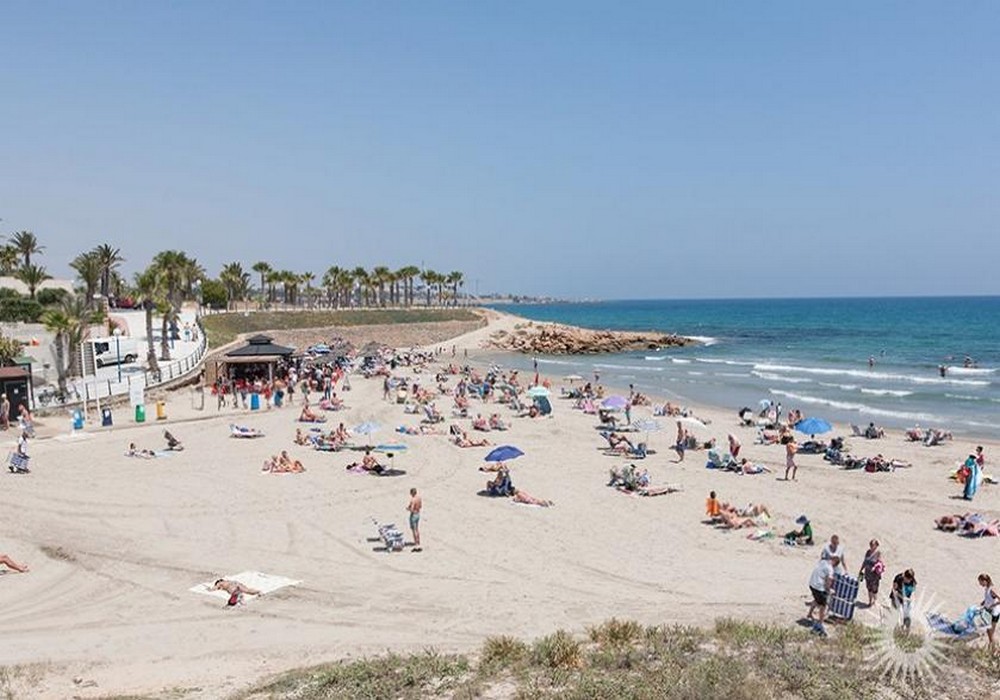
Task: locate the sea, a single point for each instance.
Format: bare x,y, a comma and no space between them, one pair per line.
847,360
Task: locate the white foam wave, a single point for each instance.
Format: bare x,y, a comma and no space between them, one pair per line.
696,374
856,407
781,378
655,358
730,374
703,339
733,363
550,361
845,387
884,376
972,371
885,392
632,368
680,361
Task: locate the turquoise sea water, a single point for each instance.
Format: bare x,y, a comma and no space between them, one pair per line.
811,354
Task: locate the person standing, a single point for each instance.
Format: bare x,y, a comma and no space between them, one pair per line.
872,568
5,411
991,605
820,585
832,549
901,596
414,507
734,446
790,467
681,443
972,479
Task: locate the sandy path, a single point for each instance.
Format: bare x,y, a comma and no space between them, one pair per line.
114,544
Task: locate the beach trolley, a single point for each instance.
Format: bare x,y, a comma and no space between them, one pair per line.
391,536
843,596
18,463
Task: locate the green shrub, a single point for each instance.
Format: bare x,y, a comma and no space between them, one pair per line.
557,650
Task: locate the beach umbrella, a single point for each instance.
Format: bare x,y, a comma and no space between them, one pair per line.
764,403
614,403
813,426
503,453
692,421
573,378
536,391
390,448
367,428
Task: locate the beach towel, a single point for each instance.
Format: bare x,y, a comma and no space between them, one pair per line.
265,583
963,628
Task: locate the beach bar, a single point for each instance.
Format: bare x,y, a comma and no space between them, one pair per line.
259,357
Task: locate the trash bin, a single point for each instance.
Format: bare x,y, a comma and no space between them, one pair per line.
254,402
77,420
140,414
161,410
106,418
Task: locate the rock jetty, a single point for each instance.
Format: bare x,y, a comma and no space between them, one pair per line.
554,339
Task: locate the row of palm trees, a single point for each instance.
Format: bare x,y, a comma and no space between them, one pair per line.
173,277
341,287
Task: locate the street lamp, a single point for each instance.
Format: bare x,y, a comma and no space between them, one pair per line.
118,351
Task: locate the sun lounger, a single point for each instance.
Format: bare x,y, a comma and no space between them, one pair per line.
391,536
239,431
18,463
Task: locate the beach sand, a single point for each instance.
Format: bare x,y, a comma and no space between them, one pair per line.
115,543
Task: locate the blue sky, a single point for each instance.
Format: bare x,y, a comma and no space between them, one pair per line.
584,150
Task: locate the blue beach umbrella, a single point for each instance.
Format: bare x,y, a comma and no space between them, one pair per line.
813,426
536,391
390,448
503,453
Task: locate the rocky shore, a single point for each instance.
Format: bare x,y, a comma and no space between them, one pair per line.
556,339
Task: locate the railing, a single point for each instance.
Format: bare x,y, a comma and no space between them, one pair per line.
91,388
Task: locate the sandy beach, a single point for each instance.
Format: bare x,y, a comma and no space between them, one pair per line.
115,543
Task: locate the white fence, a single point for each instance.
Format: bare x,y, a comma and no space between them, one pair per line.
91,388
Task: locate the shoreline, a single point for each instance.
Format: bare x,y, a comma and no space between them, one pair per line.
129,537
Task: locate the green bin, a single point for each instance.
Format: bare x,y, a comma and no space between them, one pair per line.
140,414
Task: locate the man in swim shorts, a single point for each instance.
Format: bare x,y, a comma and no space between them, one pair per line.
414,507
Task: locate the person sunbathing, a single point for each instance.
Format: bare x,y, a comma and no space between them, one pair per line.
232,587
463,440
874,432
526,498
13,565
307,416
341,433
496,423
331,404
751,510
133,451
953,523
368,463
769,437
619,442
480,423
300,437
747,467
503,475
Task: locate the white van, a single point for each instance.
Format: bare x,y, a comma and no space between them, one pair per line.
108,351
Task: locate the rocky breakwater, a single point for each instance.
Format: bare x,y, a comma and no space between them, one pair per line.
553,339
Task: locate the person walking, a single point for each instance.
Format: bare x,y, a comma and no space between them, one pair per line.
820,585
414,507
681,443
832,549
790,467
991,606
872,568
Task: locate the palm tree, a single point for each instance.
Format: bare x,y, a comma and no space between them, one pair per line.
69,323
108,258
429,278
409,273
147,286
379,276
331,280
307,278
26,244
262,269
32,275
9,259
363,282
273,278
88,267
236,281
456,279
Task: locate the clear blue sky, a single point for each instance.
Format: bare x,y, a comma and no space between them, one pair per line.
579,149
